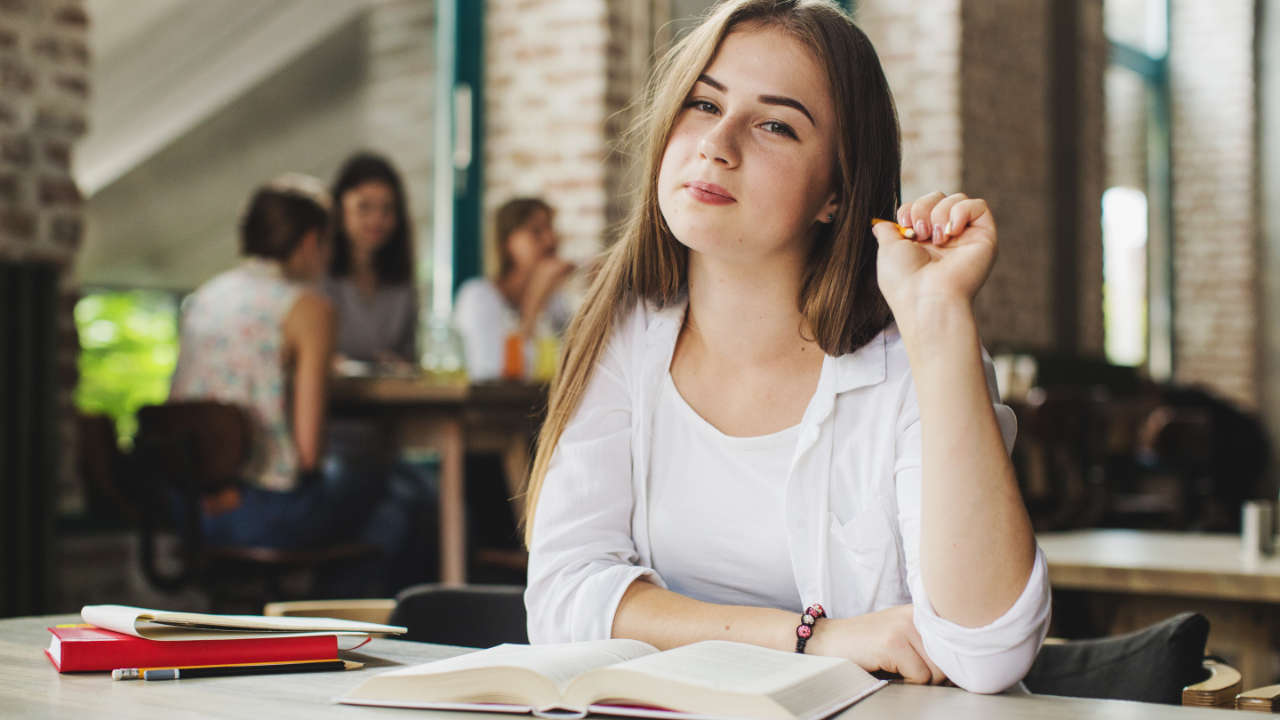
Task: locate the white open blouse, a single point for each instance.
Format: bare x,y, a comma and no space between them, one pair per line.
851,501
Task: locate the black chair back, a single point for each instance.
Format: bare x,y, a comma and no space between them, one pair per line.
1153,664
470,616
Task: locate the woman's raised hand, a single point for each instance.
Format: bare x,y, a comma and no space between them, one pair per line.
946,263
886,640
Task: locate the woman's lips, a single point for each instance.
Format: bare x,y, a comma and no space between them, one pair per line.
709,193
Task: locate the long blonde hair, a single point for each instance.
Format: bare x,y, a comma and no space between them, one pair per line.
839,297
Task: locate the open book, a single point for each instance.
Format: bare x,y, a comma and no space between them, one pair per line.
712,679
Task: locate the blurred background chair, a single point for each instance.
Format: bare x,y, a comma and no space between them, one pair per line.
1098,446
186,453
478,616
103,470
1162,663
469,615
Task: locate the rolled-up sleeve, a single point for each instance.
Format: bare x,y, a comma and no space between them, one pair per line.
996,656
582,556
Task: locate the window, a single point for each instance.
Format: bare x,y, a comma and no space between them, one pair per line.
129,347
1136,235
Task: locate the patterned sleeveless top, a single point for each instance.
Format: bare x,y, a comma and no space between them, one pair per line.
232,350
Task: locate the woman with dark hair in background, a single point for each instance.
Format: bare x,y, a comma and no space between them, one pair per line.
371,286
259,337
490,314
371,281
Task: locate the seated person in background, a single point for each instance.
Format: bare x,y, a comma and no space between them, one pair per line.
259,337
524,295
371,286
371,278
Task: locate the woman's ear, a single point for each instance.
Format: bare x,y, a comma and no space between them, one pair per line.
829,209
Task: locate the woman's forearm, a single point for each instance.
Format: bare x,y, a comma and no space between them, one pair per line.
976,545
530,308
666,619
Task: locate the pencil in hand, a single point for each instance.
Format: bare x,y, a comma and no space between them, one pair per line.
906,232
177,673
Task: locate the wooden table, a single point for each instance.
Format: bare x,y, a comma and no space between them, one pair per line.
450,419
30,688
1113,581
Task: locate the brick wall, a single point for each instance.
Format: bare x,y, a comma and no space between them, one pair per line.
398,104
1092,167
975,116
925,78
1216,285
546,108
1006,81
1269,201
44,70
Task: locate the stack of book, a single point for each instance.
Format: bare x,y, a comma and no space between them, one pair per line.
119,636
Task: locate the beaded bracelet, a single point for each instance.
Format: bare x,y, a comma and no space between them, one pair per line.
807,622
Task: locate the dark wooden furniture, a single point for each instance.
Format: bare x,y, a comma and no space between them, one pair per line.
452,419
184,454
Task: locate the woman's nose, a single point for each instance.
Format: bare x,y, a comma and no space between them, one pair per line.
718,145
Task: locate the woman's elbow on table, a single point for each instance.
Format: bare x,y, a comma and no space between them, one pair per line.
995,657
990,674
577,604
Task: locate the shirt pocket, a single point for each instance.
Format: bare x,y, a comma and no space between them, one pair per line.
865,561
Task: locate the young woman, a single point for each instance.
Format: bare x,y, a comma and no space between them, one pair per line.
257,336
766,404
525,292
371,275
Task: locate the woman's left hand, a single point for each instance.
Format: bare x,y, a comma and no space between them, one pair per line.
946,263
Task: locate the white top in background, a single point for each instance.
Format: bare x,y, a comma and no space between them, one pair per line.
484,318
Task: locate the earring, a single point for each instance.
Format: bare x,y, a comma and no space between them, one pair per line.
831,217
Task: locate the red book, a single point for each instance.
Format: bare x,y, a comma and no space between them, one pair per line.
76,648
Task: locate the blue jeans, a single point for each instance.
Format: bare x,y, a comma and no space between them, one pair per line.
393,508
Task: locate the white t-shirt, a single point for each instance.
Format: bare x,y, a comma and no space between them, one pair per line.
705,488
484,318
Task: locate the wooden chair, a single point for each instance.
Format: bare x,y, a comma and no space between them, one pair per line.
374,610
102,471
187,452
1263,699
1219,689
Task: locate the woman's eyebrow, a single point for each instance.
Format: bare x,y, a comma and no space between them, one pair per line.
766,99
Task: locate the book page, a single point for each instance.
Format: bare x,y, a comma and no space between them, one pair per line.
734,667
726,678
521,677
164,625
559,663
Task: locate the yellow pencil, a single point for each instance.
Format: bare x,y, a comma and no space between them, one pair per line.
906,232
172,673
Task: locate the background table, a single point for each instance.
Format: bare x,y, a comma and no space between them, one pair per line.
450,419
31,688
1114,581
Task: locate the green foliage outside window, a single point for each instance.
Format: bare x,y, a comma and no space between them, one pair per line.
129,346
